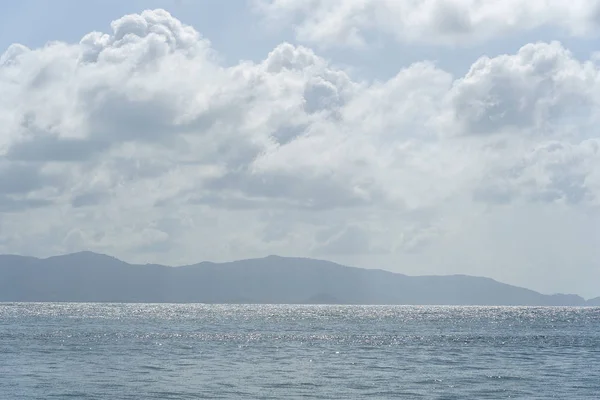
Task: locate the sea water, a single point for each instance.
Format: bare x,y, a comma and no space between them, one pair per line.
167,351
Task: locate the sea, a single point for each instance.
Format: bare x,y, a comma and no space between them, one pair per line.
198,351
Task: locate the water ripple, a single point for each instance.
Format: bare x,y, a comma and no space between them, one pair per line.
167,351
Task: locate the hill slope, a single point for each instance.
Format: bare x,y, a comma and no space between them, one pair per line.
90,277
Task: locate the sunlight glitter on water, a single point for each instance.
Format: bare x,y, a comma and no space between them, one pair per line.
276,351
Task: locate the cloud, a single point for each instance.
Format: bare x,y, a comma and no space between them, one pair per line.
542,87
431,22
141,143
351,240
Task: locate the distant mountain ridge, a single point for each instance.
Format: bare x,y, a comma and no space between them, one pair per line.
92,277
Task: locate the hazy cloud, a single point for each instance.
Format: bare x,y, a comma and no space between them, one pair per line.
437,22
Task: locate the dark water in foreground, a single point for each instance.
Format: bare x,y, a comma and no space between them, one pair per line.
116,351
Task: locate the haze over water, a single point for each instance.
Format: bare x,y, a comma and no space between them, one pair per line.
97,351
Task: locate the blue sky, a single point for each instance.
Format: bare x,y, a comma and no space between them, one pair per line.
430,137
238,33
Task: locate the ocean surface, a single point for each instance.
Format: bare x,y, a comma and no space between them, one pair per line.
135,351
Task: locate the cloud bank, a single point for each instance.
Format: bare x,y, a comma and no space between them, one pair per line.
140,143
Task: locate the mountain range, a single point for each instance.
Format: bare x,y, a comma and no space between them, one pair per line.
92,277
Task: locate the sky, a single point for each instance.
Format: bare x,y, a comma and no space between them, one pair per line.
422,137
